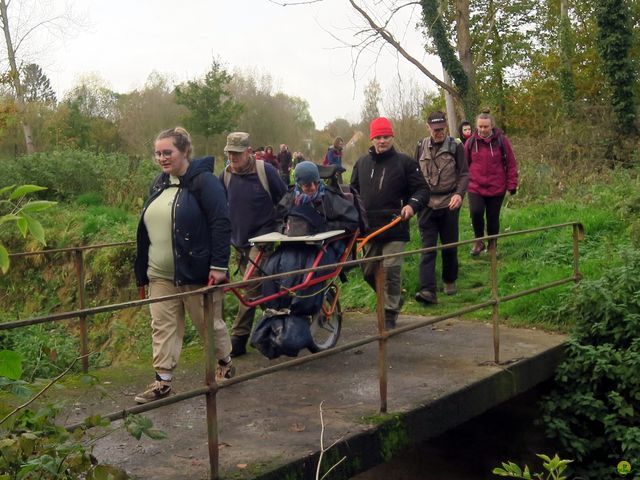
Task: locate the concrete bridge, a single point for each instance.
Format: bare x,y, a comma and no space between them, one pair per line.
270,427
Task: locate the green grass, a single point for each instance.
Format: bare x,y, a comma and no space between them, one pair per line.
529,260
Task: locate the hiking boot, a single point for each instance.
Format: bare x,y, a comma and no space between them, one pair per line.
427,297
157,390
390,318
478,248
239,345
225,371
450,288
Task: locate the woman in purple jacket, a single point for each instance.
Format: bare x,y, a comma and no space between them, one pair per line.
492,172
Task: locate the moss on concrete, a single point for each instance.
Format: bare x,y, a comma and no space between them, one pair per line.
393,437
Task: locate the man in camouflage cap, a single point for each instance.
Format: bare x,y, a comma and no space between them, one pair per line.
237,142
253,188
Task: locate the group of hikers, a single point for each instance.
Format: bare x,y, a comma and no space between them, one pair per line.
192,218
283,162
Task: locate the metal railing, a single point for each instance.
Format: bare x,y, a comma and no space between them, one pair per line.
211,388
78,261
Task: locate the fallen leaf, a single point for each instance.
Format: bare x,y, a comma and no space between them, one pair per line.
242,465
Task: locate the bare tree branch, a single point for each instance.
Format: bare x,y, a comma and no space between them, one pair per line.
22,38
41,392
491,13
323,450
388,37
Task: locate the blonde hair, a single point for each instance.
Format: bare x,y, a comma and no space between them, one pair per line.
181,140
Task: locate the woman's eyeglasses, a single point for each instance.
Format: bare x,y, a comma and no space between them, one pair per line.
164,153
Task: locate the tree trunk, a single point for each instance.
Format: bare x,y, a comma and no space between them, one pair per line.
498,75
567,85
466,58
15,79
452,117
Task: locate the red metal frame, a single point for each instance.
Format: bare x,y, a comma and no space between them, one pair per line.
309,279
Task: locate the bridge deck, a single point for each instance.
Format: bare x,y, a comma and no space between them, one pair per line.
439,377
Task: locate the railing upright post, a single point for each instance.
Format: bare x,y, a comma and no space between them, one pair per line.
382,343
210,380
493,253
577,234
79,264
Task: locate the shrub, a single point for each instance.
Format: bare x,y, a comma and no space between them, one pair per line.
34,446
69,174
593,409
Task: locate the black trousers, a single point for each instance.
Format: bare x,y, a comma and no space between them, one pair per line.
441,223
478,207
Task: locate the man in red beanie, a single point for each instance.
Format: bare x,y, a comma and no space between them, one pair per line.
390,184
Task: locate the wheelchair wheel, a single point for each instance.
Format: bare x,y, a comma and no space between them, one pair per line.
325,331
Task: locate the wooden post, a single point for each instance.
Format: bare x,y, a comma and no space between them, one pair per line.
210,380
493,253
79,264
382,343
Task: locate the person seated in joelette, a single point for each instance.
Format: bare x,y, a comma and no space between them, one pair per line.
310,207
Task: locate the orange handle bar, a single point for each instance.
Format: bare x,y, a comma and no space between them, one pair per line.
363,241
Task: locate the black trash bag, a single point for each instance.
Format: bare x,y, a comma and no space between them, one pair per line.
281,335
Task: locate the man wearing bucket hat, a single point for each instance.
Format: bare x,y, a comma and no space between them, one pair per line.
253,188
390,184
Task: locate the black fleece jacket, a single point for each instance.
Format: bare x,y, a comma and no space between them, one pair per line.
201,226
386,183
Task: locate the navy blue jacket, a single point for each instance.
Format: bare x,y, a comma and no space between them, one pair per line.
201,226
252,209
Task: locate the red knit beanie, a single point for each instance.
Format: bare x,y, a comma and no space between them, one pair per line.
380,127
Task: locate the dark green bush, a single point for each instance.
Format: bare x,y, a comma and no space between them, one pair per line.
68,174
593,409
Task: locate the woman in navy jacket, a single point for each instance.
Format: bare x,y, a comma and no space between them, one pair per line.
183,243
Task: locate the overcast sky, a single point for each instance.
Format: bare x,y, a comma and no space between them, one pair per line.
123,41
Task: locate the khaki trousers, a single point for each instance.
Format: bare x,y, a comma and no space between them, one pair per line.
392,271
167,322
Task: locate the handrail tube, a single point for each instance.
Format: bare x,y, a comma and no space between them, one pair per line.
71,249
284,365
524,293
243,283
579,226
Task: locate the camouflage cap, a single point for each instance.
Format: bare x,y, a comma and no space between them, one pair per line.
237,142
